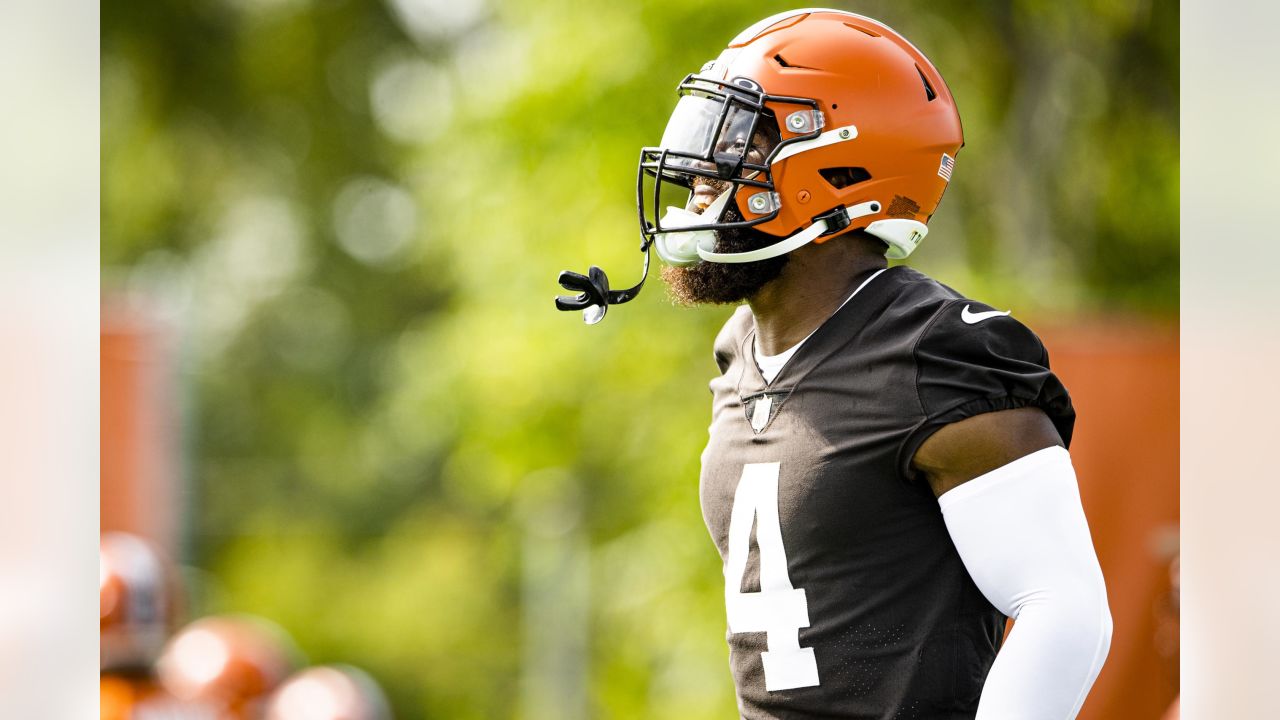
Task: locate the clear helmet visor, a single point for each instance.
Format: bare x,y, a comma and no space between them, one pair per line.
716,135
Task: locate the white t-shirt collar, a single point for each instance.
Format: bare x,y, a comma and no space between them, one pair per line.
771,365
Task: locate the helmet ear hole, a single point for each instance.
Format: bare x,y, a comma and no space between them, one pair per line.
842,177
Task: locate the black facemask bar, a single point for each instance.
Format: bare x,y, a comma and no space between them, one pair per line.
668,165
678,166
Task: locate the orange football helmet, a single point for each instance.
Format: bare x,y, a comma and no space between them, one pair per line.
136,599
329,692
231,663
811,124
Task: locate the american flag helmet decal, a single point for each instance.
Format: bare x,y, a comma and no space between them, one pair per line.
948,164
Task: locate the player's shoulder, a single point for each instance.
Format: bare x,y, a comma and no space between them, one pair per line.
729,340
971,358
915,293
909,302
941,319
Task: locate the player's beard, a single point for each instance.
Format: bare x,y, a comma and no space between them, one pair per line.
725,283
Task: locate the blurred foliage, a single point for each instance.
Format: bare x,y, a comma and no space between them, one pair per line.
356,210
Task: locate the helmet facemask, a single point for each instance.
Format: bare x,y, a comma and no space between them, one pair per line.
718,145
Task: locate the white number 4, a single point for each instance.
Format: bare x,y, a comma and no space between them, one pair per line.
778,609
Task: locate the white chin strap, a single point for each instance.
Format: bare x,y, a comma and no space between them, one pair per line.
786,245
688,247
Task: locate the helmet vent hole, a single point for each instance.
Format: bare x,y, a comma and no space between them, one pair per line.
843,177
863,30
782,62
929,94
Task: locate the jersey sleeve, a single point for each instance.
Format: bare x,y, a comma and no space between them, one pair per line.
972,360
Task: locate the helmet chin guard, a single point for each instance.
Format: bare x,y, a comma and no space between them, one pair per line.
684,247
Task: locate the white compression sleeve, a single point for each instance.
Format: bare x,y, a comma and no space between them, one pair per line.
1022,535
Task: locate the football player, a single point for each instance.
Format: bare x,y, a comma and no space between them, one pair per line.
887,476
137,599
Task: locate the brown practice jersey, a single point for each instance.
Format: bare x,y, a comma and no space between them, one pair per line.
844,595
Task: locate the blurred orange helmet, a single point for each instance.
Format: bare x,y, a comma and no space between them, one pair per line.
122,697
136,601
811,124
228,662
329,692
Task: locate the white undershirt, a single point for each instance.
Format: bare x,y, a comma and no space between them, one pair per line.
771,365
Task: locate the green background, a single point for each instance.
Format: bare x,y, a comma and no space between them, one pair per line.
396,448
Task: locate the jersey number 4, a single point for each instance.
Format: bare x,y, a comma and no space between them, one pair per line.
778,609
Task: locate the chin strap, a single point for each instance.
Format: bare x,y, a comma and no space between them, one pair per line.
833,221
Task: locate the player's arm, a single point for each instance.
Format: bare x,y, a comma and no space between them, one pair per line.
1012,507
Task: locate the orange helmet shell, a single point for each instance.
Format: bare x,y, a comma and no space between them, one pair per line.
863,76
230,662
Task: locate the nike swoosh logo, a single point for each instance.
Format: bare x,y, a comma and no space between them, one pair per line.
973,318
